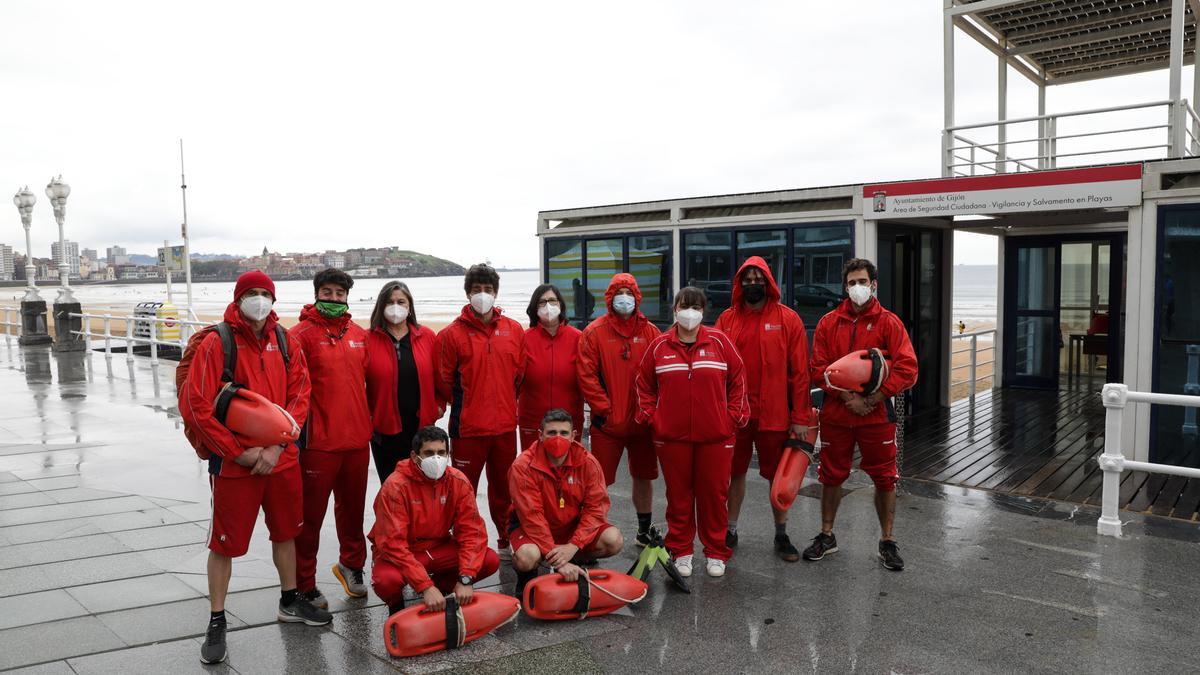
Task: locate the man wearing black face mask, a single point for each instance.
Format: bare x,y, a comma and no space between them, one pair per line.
771,339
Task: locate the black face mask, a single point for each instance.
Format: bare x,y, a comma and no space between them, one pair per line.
754,293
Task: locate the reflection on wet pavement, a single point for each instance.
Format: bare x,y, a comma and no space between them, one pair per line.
104,510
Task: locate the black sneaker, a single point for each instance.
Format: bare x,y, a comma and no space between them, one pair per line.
821,545
302,611
213,649
785,550
398,607
731,539
643,538
316,598
889,555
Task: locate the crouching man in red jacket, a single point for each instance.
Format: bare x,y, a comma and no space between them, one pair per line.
560,504
849,419
428,533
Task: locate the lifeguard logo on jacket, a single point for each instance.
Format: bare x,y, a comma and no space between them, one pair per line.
271,347
501,332
357,345
443,499
772,326
703,353
870,327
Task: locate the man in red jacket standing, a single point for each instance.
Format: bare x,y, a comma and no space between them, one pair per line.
428,533
245,480
849,419
774,348
336,439
560,504
479,371
610,350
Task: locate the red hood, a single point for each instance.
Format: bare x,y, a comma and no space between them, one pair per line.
234,317
772,287
471,320
872,309
336,325
629,325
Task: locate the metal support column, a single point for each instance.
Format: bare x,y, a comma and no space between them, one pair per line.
1002,108
947,87
1177,111
1043,145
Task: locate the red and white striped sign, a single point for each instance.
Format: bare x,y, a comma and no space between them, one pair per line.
1061,190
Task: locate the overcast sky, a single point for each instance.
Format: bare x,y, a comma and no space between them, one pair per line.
445,127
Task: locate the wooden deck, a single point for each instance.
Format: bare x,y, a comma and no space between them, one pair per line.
1036,443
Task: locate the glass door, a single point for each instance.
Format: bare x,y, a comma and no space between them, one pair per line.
1032,339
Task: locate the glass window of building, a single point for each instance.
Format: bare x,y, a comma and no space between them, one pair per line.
709,266
1175,439
650,264
605,257
564,268
818,254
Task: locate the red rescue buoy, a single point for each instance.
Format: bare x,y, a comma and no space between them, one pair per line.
416,630
552,598
254,420
789,475
862,371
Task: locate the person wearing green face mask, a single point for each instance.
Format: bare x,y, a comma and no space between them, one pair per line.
335,443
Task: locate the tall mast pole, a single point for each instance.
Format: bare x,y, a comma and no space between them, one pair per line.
187,250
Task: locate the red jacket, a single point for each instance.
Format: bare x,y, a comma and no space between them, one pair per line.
413,512
336,353
559,505
479,371
382,374
840,332
260,369
550,379
610,350
694,394
781,394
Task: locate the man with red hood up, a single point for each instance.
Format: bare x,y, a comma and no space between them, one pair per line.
610,350
336,439
479,371
774,347
268,362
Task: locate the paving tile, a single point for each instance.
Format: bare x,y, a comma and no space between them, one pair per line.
42,514
75,527
56,483
25,500
77,573
291,648
189,558
31,608
59,550
8,477
127,593
261,578
178,657
16,487
52,668
144,625
162,536
34,644
81,494
55,471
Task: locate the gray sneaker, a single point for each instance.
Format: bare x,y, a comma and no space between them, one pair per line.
213,649
302,611
352,580
316,597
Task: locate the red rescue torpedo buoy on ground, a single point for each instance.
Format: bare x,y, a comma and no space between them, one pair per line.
862,371
789,475
255,421
416,630
552,598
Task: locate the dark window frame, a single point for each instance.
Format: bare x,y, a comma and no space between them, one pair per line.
624,236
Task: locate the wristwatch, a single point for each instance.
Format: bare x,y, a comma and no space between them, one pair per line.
465,580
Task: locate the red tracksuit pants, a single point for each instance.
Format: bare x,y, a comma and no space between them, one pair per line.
697,477
344,475
471,455
441,561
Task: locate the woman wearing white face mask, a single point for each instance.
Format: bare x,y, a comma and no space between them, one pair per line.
691,389
551,347
401,369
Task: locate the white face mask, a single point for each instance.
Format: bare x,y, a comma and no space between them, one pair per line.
859,294
396,314
256,307
549,312
435,467
624,304
483,302
689,318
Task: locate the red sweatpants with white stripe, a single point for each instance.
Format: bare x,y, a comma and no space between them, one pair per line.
697,477
440,560
495,453
344,475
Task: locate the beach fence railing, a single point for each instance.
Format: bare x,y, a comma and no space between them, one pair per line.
12,324
1113,462
973,363
132,331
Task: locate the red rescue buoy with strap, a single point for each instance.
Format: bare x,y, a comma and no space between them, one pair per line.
863,371
789,475
550,597
255,421
417,630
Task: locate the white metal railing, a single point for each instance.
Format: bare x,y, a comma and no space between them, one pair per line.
11,328
1112,461
126,337
974,363
964,156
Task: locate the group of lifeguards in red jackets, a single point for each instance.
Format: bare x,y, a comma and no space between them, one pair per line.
696,402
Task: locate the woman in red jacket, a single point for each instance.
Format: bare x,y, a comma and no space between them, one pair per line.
401,366
691,388
551,348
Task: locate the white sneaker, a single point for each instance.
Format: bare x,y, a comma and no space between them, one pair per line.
683,565
716,568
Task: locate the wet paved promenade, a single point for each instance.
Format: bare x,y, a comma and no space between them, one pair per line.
103,512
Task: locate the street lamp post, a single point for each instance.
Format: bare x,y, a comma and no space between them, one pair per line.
33,308
58,191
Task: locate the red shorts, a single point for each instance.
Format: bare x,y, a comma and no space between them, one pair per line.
876,443
769,445
518,538
643,462
235,506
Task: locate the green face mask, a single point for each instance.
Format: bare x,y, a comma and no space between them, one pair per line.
332,309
